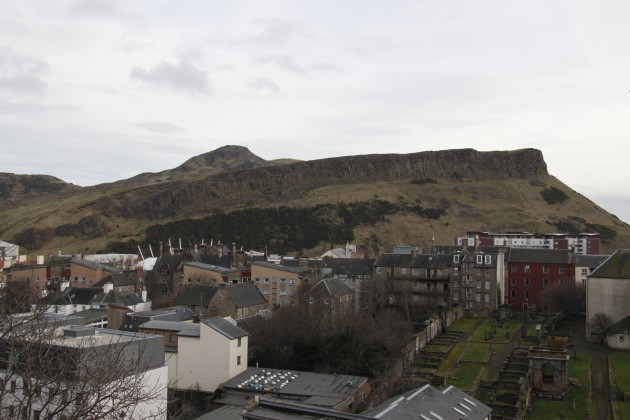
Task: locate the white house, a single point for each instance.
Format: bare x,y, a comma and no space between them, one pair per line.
202,356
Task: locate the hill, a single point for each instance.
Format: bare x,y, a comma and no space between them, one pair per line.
307,207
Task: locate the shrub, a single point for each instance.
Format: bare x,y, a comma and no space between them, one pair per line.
423,181
553,195
537,183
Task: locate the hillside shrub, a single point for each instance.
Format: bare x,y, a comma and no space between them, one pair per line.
423,181
553,195
537,183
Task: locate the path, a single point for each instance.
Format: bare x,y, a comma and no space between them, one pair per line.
502,351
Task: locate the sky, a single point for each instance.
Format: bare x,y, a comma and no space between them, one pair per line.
95,91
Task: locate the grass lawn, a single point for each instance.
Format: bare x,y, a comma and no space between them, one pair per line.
448,365
465,324
622,409
620,365
436,348
477,352
576,404
465,377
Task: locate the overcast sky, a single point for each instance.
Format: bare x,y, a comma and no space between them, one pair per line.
96,91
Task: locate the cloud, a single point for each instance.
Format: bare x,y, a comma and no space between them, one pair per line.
100,9
285,62
181,76
20,73
264,85
159,127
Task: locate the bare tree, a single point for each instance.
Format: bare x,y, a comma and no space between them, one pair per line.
599,325
569,297
48,373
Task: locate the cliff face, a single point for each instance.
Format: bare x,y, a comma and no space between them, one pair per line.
288,181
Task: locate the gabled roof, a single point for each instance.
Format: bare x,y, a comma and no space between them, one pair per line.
171,261
349,266
117,279
333,287
296,270
216,260
411,261
186,329
245,294
592,261
121,298
59,260
195,295
209,267
540,256
225,327
617,266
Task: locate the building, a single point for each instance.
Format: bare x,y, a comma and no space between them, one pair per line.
9,254
332,298
197,273
338,392
579,243
585,265
133,320
202,356
618,335
608,291
532,272
354,272
279,284
85,373
84,273
349,251
431,403
237,301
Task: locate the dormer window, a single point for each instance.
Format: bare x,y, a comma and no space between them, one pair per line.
479,259
456,258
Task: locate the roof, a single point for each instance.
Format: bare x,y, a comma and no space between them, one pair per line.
97,266
195,295
592,261
333,286
280,267
617,266
125,299
245,294
349,266
225,327
73,296
171,261
178,313
428,402
541,256
59,260
91,315
209,267
411,261
117,279
328,390
186,329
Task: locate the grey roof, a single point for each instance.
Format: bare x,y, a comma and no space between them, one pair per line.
349,266
421,403
592,261
333,286
59,260
122,298
330,390
286,410
97,266
617,266
245,294
178,313
172,262
91,315
209,267
471,257
196,295
280,267
225,327
541,256
117,279
73,296
411,261
186,329
226,412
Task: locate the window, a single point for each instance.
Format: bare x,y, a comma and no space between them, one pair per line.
265,291
238,342
561,270
621,338
488,259
513,281
513,293
527,294
456,258
266,280
487,273
478,285
478,272
487,285
257,280
13,386
478,297
526,282
292,282
513,268
171,338
455,295
455,284
283,292
479,259
283,281
238,360
311,299
403,271
545,282
455,270
545,269
527,268
487,298
585,271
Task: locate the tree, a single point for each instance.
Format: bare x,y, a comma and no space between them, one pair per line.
47,373
599,325
569,297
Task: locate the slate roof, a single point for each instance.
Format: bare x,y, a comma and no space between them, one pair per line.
617,266
209,267
117,279
185,329
97,266
172,261
73,296
592,261
59,260
540,256
217,260
225,327
245,294
195,295
91,315
409,261
334,286
125,299
621,327
349,266
424,402
296,270
179,313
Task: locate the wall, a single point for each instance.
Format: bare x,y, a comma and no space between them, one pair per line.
609,296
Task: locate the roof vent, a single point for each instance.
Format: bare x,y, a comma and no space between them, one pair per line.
78,331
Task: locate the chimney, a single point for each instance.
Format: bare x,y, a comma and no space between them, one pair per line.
476,243
161,246
233,255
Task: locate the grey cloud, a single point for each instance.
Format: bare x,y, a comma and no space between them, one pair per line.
20,73
285,62
182,76
159,127
97,9
275,31
265,85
